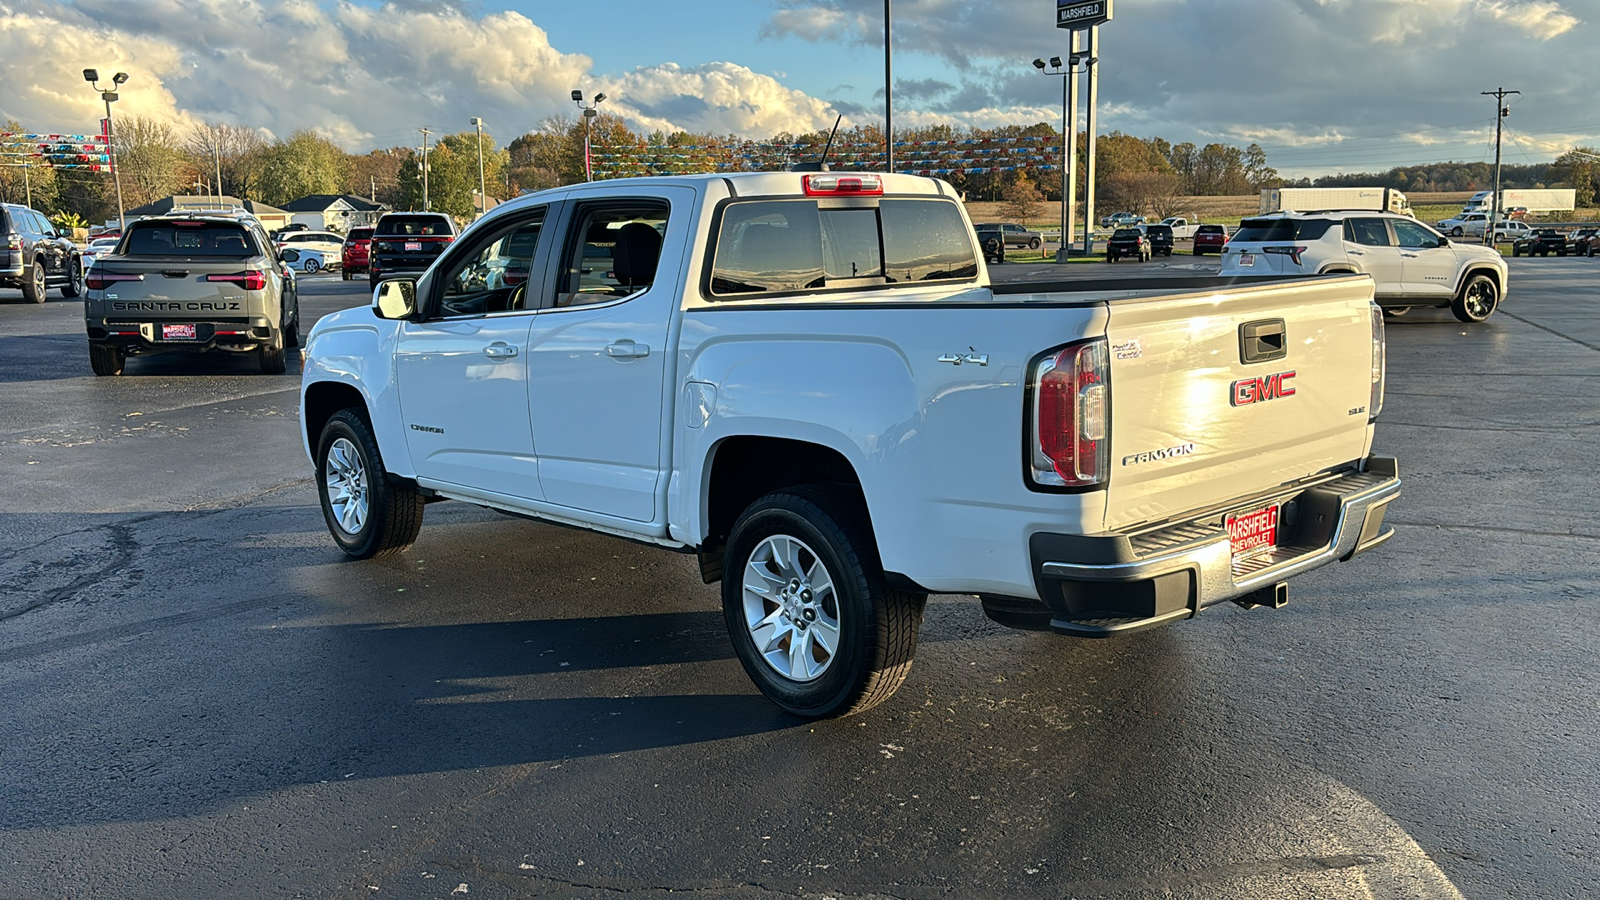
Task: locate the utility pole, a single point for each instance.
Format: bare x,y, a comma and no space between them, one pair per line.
425,133
1501,110
888,91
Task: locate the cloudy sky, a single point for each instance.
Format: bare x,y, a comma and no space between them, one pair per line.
1323,85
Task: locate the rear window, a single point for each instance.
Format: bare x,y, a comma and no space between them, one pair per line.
1159,230
1210,229
778,246
1252,230
1126,233
414,225
359,234
181,238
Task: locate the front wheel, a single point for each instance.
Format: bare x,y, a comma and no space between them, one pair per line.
1477,299
812,621
368,515
1035,243
74,285
1456,231
312,265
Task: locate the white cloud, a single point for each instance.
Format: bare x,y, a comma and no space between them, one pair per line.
364,76
1541,18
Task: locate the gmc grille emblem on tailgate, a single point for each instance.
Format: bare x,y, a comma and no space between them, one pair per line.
1260,390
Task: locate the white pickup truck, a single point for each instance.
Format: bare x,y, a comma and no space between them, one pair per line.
808,381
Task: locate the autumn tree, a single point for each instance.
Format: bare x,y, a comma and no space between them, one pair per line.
1022,200
234,150
307,163
1580,168
152,159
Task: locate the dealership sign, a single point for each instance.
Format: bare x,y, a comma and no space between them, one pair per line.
1080,14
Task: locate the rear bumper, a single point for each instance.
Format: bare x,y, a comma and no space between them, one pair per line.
1102,585
140,337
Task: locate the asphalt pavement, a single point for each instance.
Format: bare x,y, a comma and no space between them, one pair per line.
204,699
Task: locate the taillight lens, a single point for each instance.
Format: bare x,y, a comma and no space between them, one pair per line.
13,242
250,280
1292,252
1071,416
96,280
1380,364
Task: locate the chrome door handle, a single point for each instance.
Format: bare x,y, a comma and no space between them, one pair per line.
626,349
500,350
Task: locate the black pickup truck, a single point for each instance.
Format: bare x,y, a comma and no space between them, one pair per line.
1542,242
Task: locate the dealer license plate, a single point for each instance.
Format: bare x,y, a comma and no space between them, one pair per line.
1250,533
177,332
413,245
1247,259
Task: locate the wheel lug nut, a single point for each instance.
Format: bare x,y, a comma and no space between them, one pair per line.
811,615
806,595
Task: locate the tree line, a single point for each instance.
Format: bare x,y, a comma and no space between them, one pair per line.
1578,168
1019,164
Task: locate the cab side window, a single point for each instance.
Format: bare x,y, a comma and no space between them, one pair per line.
613,253
493,275
1368,232
1414,236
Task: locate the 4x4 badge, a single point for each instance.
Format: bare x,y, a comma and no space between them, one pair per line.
974,357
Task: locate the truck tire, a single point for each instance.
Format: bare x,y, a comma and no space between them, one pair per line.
369,515
803,573
34,289
1515,250
107,359
272,357
1477,299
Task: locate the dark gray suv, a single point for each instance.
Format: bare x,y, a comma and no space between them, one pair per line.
35,256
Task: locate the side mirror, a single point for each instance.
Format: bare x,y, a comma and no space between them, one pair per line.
395,298
1444,241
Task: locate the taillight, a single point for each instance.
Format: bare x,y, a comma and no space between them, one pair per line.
841,185
250,280
1380,364
13,242
96,280
1292,252
1071,416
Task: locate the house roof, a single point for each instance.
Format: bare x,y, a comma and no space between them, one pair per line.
324,202
192,201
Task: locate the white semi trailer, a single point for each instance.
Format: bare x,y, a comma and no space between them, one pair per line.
1305,199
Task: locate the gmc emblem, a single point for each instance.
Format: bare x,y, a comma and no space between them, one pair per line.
1260,390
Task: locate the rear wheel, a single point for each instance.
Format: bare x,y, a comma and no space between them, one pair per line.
272,358
33,289
107,359
346,275
814,624
1477,299
368,514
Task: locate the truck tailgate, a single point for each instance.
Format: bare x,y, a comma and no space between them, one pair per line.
1194,425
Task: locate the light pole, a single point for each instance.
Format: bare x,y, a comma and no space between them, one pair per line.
483,196
1069,135
425,133
588,113
108,95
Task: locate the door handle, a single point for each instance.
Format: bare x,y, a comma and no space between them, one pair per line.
626,349
500,350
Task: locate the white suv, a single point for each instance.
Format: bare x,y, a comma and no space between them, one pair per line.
1410,263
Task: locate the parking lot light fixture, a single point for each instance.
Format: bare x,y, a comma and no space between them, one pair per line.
589,112
109,94
1068,133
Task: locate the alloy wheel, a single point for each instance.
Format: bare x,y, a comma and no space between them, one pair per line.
791,608
348,487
